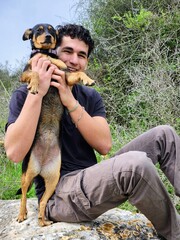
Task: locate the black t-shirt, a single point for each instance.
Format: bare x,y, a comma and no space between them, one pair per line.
76,152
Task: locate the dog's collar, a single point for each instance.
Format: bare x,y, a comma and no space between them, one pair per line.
44,51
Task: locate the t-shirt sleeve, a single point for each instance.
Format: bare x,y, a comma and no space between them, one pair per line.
99,108
15,106
90,99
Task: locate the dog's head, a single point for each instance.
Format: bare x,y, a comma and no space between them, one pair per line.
42,36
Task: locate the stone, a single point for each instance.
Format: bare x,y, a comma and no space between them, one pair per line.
115,224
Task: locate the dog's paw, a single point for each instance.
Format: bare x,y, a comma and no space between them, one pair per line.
88,81
33,88
21,217
43,223
85,79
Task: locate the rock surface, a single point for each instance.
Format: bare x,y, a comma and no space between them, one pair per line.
114,225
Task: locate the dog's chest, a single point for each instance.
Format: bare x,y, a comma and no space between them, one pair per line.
51,112
46,145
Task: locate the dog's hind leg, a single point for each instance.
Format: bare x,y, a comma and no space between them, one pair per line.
51,180
26,180
25,183
50,185
23,210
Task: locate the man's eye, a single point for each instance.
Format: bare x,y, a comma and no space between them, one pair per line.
67,51
82,56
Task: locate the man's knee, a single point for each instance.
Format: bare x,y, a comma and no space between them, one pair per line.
130,169
164,130
133,161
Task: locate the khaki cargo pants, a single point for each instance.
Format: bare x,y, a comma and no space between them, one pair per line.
84,195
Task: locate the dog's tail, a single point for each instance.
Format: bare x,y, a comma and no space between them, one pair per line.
24,169
19,191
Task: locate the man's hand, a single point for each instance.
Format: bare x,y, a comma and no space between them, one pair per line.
65,92
45,69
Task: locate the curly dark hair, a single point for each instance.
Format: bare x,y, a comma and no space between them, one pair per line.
76,31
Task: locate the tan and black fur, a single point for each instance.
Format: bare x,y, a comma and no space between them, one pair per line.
44,157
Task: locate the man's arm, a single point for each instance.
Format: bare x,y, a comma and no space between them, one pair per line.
20,134
95,130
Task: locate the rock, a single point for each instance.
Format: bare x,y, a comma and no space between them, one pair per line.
114,225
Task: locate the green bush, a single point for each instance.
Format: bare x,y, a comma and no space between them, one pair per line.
136,61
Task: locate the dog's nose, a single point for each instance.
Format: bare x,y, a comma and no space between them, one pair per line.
48,38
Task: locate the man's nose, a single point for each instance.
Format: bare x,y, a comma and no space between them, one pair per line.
74,59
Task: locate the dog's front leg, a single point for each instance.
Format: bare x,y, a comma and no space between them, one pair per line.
75,77
57,62
32,78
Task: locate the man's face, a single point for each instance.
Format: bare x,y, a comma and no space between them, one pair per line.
74,53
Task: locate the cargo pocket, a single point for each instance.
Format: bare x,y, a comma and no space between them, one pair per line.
80,197
70,200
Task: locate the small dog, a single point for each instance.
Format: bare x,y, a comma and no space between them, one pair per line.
44,157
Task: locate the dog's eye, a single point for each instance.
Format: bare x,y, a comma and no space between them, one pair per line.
40,30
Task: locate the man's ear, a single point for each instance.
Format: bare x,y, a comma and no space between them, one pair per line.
86,65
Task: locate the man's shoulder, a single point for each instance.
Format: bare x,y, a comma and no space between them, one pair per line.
22,89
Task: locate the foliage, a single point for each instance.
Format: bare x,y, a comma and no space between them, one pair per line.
8,82
140,21
136,61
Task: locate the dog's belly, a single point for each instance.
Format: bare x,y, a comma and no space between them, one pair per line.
46,148
45,157
47,167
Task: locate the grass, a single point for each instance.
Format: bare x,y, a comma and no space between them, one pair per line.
10,178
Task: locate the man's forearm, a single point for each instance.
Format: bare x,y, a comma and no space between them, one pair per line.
20,135
95,130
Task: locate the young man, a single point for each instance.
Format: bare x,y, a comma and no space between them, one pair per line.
87,189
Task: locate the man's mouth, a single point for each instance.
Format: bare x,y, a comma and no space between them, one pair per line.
72,69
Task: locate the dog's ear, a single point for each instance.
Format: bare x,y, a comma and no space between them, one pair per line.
58,28
27,34
57,38
57,32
